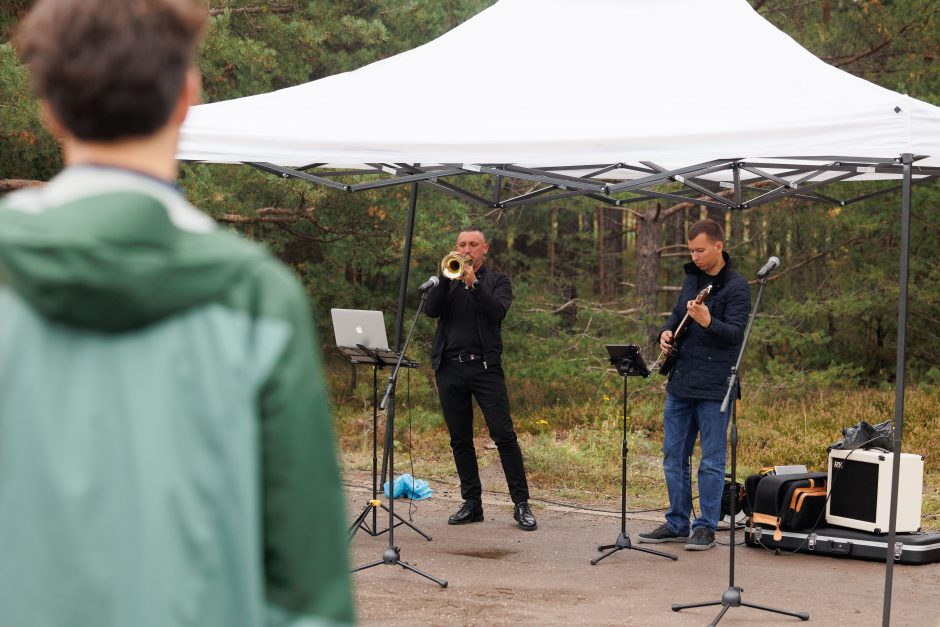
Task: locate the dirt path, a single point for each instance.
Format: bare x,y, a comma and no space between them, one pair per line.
498,575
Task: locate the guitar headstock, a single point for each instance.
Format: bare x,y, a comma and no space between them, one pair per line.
703,294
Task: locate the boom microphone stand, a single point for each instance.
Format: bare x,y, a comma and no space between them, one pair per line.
629,363
732,596
392,555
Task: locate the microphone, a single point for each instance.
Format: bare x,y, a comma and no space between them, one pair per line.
432,282
772,263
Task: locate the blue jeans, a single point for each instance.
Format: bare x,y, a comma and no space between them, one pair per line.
684,419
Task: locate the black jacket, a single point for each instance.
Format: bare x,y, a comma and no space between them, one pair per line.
491,299
707,355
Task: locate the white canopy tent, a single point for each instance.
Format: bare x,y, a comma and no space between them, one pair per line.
577,82
605,98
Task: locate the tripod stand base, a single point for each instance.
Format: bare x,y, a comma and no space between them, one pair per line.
732,598
623,543
391,557
360,522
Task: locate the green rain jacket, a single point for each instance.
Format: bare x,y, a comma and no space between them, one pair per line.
166,450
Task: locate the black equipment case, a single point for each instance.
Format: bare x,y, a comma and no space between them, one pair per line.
781,502
909,548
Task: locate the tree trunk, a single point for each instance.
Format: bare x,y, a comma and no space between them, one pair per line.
648,240
600,267
609,252
755,230
647,257
552,238
736,232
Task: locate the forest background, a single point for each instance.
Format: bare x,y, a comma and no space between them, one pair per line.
822,354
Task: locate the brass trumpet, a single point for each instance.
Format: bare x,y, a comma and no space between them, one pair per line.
454,264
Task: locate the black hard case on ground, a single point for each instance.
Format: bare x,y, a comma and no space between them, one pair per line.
915,548
793,501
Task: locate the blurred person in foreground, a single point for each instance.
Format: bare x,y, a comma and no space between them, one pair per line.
166,449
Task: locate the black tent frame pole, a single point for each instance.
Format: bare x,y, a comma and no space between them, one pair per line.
906,160
388,475
405,265
392,555
400,320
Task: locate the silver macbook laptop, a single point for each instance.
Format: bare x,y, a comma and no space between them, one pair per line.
356,326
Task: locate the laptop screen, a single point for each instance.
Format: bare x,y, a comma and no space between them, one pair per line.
353,327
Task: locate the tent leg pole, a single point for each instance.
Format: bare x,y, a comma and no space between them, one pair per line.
405,265
906,160
400,316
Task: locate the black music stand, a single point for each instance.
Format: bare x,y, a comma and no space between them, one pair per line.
629,363
377,358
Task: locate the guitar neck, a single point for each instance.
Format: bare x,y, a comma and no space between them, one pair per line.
681,328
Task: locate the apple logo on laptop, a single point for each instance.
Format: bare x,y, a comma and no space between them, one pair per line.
359,329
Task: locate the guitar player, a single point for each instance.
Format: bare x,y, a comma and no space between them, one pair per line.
697,385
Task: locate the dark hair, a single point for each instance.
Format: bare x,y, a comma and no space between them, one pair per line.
110,69
710,228
470,228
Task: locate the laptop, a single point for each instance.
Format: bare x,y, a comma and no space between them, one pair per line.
353,327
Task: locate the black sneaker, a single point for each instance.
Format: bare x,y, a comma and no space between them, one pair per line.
702,539
662,533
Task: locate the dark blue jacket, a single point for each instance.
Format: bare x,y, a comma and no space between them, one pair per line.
491,300
707,355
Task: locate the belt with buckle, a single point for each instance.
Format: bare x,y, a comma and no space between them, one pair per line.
465,357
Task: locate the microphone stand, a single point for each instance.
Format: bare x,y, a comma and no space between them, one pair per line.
732,596
392,555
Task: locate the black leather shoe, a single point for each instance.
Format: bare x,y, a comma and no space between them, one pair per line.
469,512
523,515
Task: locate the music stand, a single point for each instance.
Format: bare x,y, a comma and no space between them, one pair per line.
378,358
629,363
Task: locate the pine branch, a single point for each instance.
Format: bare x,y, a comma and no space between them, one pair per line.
251,10
813,258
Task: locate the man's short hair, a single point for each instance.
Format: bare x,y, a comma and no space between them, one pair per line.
471,228
710,228
110,69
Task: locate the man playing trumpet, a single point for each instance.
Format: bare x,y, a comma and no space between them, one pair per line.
470,303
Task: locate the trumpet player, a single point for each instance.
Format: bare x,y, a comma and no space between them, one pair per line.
470,303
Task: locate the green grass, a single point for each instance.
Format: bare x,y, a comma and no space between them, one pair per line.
572,449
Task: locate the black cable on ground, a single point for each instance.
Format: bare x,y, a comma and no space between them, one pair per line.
547,501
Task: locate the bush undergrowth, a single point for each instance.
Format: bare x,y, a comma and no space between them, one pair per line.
572,448
567,407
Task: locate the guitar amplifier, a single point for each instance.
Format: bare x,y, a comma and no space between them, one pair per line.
860,490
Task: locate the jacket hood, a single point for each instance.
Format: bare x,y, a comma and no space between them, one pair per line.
112,250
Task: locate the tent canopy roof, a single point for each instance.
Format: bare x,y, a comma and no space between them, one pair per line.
578,82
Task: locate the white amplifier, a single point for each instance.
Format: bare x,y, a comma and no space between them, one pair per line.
859,490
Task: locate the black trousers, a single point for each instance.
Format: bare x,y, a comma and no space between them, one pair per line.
456,384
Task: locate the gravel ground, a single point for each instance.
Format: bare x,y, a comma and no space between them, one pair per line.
498,574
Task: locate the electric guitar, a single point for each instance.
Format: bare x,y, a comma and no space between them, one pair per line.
667,359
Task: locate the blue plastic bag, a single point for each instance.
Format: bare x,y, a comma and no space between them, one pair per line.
414,489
